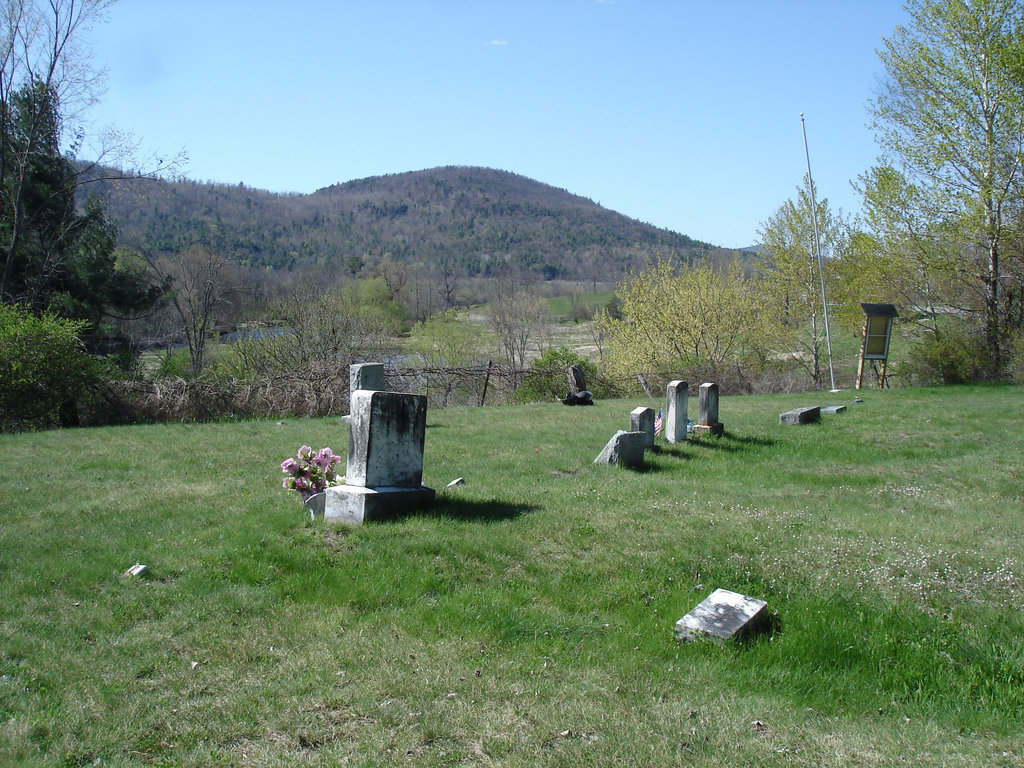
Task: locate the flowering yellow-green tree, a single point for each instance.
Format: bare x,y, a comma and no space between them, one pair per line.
676,318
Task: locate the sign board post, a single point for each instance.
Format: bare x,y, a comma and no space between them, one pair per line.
875,342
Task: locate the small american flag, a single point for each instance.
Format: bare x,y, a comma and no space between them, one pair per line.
657,424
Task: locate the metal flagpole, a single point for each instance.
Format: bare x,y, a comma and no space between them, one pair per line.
817,254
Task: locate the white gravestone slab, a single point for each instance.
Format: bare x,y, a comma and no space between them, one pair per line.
723,615
676,404
642,420
355,505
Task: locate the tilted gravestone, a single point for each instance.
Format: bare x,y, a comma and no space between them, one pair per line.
707,410
722,616
676,404
625,448
642,420
577,381
804,415
385,458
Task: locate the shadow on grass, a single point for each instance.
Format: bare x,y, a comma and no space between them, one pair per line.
731,443
672,451
473,511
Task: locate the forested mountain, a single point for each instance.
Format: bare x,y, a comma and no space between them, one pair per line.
468,220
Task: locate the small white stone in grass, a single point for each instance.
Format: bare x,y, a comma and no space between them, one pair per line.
136,570
456,481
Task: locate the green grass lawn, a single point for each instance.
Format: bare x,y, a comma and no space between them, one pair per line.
527,617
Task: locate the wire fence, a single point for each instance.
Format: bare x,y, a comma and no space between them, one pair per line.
322,389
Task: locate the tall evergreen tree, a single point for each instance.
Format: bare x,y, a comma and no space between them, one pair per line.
56,257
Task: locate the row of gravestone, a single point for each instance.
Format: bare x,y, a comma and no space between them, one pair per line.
385,470
626,448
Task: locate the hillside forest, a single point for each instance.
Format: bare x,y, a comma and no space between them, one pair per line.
131,295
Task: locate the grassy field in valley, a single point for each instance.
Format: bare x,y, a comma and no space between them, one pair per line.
527,617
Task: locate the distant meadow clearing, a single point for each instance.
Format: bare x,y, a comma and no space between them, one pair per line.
526,618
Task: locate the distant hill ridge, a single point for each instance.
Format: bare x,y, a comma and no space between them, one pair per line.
469,220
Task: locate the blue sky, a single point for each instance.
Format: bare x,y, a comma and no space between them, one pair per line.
684,114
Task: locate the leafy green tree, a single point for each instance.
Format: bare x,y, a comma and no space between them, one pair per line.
950,117
54,256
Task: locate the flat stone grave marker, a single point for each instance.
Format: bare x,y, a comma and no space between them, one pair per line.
804,415
833,409
723,615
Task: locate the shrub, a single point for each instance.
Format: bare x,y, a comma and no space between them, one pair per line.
45,370
548,379
955,356
175,364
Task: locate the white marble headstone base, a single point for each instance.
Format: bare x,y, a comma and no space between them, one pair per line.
355,504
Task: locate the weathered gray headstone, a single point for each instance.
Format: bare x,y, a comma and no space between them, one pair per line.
707,410
833,409
642,420
722,616
625,448
676,404
385,458
388,430
804,415
368,376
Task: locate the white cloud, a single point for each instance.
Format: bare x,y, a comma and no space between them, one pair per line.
497,42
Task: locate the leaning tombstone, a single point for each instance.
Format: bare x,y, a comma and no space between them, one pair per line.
722,616
707,410
385,458
625,448
676,405
577,381
642,420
